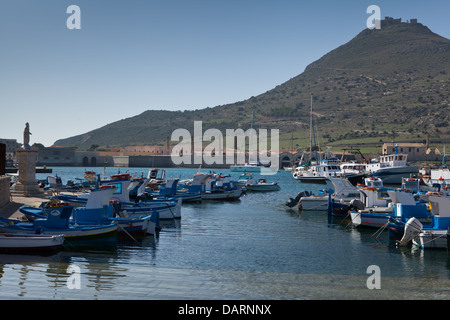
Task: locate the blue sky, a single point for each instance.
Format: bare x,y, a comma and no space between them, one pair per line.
136,55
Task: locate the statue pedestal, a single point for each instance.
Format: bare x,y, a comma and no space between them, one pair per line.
27,185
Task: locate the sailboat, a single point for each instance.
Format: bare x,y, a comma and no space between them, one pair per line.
316,171
251,165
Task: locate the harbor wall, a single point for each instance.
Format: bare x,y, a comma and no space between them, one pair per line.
4,191
163,161
105,159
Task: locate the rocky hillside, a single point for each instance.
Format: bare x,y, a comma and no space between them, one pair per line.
385,84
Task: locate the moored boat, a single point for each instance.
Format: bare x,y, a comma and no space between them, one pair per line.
124,184
247,181
341,190
433,234
55,220
213,186
30,243
392,168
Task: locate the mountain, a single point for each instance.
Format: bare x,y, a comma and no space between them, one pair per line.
384,84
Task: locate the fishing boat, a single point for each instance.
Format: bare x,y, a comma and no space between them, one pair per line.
371,193
156,178
400,203
30,243
124,184
170,191
340,190
428,235
220,187
392,168
212,186
319,171
247,181
100,210
412,184
438,177
55,183
169,209
54,219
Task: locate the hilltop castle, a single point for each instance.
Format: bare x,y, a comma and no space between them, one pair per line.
391,21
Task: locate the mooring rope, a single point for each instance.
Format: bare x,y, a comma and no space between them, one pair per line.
380,230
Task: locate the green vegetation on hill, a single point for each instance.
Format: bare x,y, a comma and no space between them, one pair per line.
382,85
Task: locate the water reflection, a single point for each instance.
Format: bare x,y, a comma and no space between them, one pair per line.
252,248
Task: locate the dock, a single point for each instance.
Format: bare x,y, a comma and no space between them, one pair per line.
11,209
38,170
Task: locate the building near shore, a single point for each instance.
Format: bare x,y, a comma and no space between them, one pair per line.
411,149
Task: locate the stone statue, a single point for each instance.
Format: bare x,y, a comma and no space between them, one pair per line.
26,136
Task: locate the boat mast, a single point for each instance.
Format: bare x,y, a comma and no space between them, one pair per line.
250,149
312,133
310,130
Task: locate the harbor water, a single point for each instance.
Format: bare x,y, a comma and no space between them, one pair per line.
252,248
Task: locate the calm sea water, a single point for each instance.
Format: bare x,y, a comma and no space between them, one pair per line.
254,248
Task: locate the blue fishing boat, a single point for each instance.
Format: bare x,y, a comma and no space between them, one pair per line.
400,204
170,191
100,210
54,219
124,184
372,193
426,234
213,186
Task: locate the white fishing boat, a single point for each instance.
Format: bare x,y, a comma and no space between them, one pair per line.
261,184
342,191
352,168
30,243
319,171
376,209
438,177
392,168
212,186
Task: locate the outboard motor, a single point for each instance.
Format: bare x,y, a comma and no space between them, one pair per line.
292,202
412,228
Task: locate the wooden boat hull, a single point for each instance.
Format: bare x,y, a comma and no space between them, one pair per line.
373,219
73,236
25,243
223,195
136,227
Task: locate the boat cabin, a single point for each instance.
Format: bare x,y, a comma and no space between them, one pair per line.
392,160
